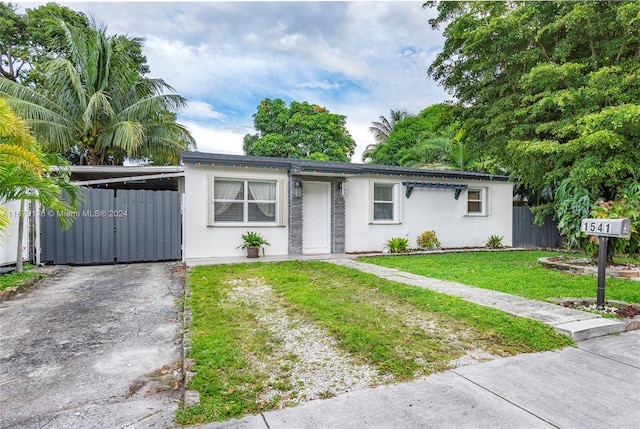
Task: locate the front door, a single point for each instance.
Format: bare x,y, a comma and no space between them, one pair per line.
316,217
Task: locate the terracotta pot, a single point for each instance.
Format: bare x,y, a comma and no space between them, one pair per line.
253,252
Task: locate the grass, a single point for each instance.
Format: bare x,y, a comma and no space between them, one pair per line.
516,273
18,279
378,323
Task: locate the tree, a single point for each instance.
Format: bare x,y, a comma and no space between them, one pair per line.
383,129
95,103
302,130
548,89
26,174
398,148
25,39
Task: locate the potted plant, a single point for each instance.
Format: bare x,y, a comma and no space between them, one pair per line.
253,241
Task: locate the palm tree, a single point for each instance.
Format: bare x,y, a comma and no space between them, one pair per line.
442,153
382,130
96,104
26,174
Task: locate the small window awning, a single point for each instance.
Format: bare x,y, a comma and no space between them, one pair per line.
458,188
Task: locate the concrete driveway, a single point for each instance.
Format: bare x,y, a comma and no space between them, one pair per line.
93,347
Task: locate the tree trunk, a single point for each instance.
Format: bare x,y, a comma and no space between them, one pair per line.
20,234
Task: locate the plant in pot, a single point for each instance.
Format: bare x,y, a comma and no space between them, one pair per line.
253,242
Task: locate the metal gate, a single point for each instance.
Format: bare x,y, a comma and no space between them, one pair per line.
120,225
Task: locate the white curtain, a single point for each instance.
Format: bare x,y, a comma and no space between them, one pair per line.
263,191
224,190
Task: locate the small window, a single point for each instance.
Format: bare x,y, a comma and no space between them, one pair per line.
243,201
385,206
476,204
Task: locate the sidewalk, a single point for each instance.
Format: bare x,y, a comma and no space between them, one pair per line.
593,386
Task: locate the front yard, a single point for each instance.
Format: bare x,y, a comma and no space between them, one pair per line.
517,273
266,336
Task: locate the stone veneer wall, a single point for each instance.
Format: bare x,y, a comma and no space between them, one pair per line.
295,218
337,215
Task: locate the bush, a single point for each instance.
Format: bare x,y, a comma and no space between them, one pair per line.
428,240
397,244
494,241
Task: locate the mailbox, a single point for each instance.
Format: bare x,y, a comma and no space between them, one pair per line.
607,227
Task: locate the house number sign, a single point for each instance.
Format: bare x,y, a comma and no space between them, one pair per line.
607,227
604,228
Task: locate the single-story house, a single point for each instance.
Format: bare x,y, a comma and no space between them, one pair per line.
316,207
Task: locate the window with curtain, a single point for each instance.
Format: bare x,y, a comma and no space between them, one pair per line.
244,201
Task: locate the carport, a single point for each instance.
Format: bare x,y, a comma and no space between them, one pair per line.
129,214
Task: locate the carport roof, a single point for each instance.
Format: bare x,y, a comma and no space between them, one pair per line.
127,177
326,168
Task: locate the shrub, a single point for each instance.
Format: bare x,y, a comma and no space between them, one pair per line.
397,244
428,240
494,241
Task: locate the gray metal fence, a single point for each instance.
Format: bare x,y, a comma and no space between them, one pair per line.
116,226
527,234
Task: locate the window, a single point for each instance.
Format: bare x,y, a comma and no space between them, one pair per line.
476,201
243,201
385,207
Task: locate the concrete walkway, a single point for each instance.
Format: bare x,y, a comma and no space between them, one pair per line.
579,325
593,386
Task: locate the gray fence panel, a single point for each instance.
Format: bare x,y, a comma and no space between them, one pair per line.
148,225
527,234
116,226
90,238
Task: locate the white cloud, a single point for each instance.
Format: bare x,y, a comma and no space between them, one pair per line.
201,110
212,139
359,59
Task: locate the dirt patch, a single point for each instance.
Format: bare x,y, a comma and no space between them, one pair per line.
621,310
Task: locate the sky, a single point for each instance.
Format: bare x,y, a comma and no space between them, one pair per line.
359,59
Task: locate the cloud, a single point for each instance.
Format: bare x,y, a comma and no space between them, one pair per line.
202,111
359,59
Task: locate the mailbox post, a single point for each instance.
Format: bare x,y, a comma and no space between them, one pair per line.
603,229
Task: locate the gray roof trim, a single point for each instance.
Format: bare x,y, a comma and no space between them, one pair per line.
302,166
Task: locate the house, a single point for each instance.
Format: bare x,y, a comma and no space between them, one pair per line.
315,207
9,236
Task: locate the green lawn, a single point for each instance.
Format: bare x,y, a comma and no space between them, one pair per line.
17,279
514,272
251,325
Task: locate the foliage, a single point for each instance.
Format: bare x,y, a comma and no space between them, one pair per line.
17,279
494,241
428,240
239,362
25,39
625,205
550,90
397,244
95,104
26,173
406,134
515,273
573,204
382,130
253,239
302,131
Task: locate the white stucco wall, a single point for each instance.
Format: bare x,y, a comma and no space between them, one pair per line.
429,209
202,241
9,236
